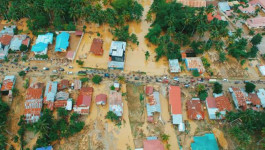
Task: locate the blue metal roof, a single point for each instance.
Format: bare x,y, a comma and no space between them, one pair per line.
39,47
45,148
62,42
206,142
223,6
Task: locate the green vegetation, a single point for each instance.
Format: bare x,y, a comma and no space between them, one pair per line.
83,80
112,87
195,73
23,48
202,92
42,56
256,39
249,131
122,34
26,84
80,62
250,87
205,63
4,108
113,117
15,92
22,73
222,57
141,97
165,137
24,57
96,79
217,88
147,55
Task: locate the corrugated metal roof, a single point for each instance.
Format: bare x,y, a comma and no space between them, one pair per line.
8,83
45,38
153,145
115,103
206,142
223,6
50,91
175,99
62,42
153,104
97,46
194,110
117,48
174,65
39,47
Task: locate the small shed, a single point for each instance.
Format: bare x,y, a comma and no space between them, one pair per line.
101,99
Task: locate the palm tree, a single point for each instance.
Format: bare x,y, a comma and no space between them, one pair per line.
165,137
238,32
215,34
219,45
217,114
209,9
202,28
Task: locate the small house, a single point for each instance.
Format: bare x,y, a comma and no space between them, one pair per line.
62,42
61,99
83,101
101,99
70,55
174,66
9,30
261,95
19,40
255,23
149,90
262,69
97,46
42,42
194,109
117,55
50,94
239,98
63,84
205,142
77,84
194,63
247,9
254,99
216,105
115,103
8,84
153,106
211,16
259,3
224,6
152,143
69,105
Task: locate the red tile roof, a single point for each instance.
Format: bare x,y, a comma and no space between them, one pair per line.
70,55
255,2
210,16
175,99
194,110
26,41
249,9
253,97
223,103
84,97
149,90
153,145
101,97
211,102
79,33
97,46
34,93
5,39
241,98
63,84
60,103
214,3
86,90
256,22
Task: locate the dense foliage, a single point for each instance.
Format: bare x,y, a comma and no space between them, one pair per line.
244,125
4,108
250,87
96,79
217,88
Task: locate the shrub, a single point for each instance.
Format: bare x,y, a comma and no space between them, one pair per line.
96,79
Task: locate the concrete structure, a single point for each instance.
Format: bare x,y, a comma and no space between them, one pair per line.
97,46
224,6
117,55
19,40
115,103
239,98
175,107
174,66
84,100
41,46
262,69
206,142
217,104
255,23
33,103
261,95
62,42
194,109
153,106
101,99
50,94
194,63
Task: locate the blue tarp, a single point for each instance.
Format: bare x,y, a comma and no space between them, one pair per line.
39,47
45,148
223,6
206,142
62,42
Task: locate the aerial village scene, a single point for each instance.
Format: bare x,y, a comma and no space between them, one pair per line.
132,75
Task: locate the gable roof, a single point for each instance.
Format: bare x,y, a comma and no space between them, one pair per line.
153,145
34,93
63,84
50,91
249,9
153,104
175,99
101,98
84,97
253,97
62,42
194,110
260,2
256,22
210,16
240,97
211,102
223,103
6,39
97,46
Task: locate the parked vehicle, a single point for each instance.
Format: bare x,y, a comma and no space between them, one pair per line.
176,79
61,69
45,68
237,82
212,80
70,73
34,68
54,71
70,67
106,75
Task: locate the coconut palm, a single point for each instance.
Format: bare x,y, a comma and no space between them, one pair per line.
209,9
238,32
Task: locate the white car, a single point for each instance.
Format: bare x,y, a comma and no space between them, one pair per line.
70,72
45,68
225,80
70,67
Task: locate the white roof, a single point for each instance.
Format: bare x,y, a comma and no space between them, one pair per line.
116,85
261,95
174,65
69,104
117,48
12,78
45,38
182,127
177,119
262,70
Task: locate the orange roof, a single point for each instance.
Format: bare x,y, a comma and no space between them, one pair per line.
175,99
183,55
60,103
97,46
149,90
26,41
153,145
64,84
210,16
241,98
86,90
33,93
223,103
7,85
5,39
194,110
253,97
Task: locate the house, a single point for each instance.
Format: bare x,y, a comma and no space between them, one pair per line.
63,84
41,46
70,55
4,45
69,104
8,84
19,40
175,106
174,66
210,17
97,46
194,63
262,69
153,106
33,103
77,84
83,100
149,90
258,22
194,109
117,55
101,99
224,6
239,98
62,42
45,148
61,99
261,95
247,9
50,94
10,30
152,143
259,3
254,99
219,104
115,103
206,142
116,85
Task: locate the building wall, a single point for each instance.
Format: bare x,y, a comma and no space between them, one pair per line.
79,109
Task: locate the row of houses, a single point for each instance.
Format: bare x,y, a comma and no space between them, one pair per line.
10,41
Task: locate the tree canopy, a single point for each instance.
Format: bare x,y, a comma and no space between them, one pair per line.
250,87
217,88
